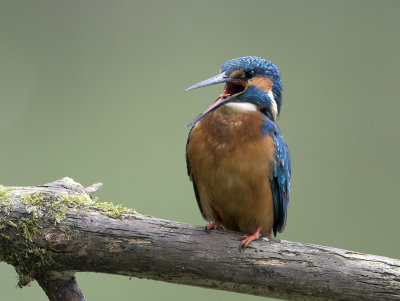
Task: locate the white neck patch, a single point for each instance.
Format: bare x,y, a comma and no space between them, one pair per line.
274,105
238,108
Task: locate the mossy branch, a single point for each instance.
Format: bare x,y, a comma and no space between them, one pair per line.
50,231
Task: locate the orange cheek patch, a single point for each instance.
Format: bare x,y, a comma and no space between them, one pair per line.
263,83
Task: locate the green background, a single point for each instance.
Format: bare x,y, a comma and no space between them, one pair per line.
93,90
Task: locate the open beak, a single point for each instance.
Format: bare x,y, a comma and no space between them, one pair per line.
233,89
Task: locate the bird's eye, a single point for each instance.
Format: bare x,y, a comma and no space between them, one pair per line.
250,73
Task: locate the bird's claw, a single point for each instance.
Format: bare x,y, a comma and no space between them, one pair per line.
247,239
213,226
245,242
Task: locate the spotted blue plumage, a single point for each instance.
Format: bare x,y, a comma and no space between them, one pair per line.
261,67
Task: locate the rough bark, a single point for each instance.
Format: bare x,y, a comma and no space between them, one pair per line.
146,247
60,286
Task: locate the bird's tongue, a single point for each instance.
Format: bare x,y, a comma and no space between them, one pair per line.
224,95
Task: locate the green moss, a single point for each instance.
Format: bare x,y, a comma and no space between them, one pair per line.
34,203
17,238
113,211
12,224
58,210
4,193
5,199
67,232
81,201
33,199
40,204
19,250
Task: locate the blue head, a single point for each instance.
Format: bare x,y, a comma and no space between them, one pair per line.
248,79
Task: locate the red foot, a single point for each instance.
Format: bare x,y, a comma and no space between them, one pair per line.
248,239
212,226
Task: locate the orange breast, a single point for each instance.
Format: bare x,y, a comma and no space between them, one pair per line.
230,162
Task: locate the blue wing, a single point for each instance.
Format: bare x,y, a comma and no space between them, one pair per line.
189,171
280,182
280,175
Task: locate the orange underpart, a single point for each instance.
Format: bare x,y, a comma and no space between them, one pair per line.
248,239
214,225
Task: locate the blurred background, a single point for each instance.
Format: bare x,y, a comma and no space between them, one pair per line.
93,90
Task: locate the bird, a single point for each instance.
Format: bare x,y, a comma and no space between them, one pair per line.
237,159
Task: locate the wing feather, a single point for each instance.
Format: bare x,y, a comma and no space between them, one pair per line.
280,175
280,182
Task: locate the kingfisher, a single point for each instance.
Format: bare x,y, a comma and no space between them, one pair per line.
237,159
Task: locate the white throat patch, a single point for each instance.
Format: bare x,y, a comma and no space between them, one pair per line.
238,108
274,105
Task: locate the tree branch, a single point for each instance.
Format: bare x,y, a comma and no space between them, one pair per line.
60,286
49,232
